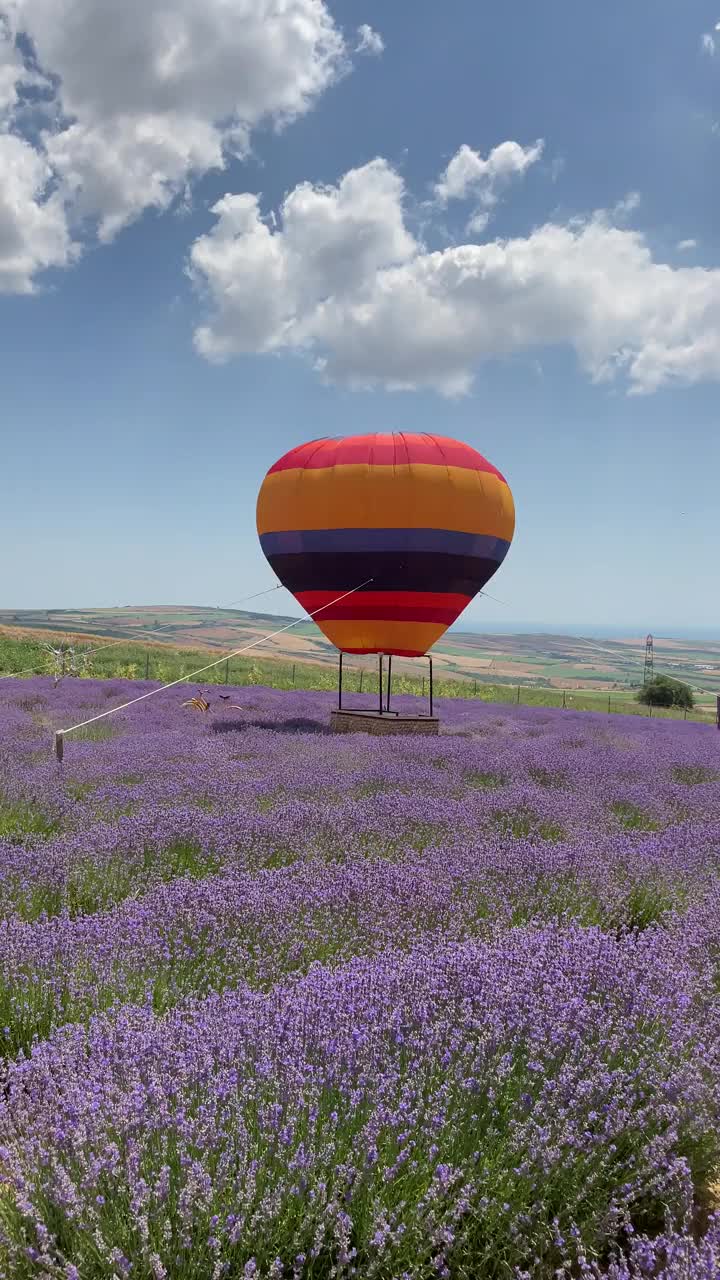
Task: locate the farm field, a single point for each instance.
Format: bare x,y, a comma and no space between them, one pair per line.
277,1003
539,661
25,651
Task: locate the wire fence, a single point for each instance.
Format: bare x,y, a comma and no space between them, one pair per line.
129,660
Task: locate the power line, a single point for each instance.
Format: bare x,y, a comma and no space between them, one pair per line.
11,675
113,644
246,599
137,636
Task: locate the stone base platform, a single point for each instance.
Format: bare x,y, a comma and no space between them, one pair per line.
388,723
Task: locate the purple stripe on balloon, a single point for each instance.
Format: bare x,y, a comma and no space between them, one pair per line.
447,541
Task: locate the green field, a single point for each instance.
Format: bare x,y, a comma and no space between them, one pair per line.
540,661
134,661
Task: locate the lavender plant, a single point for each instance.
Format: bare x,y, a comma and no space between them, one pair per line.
279,1004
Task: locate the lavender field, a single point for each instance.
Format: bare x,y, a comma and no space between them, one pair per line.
275,1003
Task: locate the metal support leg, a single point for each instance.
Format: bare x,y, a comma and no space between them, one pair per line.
431,684
380,680
389,680
340,678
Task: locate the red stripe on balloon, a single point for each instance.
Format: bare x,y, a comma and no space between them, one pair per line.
312,600
385,606
385,450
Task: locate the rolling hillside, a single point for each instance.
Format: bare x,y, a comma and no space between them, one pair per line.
543,661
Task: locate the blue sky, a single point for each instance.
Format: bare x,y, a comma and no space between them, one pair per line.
132,460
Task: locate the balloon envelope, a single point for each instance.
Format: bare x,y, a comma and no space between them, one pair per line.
426,518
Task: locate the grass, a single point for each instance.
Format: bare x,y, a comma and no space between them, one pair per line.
485,781
649,901
88,888
96,732
546,778
136,661
523,824
694,775
22,819
632,817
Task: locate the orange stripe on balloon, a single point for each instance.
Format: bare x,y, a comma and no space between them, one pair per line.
412,639
355,496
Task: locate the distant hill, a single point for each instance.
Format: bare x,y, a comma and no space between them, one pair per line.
550,661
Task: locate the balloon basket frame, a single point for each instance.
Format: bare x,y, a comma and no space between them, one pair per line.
382,719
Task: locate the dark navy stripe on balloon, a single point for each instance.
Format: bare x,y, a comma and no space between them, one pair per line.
447,541
389,571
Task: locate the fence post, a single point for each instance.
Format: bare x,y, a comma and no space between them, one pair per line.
293,675
608,704
475,688
361,678
227,670
147,666
518,695
563,699
718,711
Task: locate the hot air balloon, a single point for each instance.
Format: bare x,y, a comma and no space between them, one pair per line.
422,521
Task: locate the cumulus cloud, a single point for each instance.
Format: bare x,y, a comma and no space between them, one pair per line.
33,228
707,42
11,69
627,206
369,41
151,93
478,222
470,174
219,59
16,74
338,275
266,284
115,169
684,246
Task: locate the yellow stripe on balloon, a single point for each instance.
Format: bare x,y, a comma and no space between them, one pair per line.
359,496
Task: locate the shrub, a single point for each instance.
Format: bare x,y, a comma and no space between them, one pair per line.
663,691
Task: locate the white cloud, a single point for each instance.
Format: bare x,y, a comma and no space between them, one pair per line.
10,69
15,74
629,203
33,229
468,174
369,41
707,42
219,59
116,169
477,224
341,278
152,93
264,284
684,246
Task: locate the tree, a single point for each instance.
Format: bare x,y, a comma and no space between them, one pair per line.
662,691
